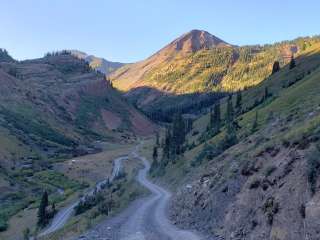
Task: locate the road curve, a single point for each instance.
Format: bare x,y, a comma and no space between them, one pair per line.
61,218
145,219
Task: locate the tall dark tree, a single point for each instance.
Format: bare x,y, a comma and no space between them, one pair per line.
239,102
167,144
231,135
154,164
178,133
255,123
42,211
292,62
275,67
157,139
230,111
215,119
155,153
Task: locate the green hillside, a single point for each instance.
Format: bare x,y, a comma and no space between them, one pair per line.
222,69
273,163
52,109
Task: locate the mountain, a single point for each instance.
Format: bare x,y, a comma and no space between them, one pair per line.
52,109
195,69
132,75
100,64
255,173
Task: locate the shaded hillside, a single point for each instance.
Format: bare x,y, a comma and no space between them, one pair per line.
99,64
197,64
265,183
52,109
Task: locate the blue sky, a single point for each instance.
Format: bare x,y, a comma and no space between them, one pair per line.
131,30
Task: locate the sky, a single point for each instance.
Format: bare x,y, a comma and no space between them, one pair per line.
131,30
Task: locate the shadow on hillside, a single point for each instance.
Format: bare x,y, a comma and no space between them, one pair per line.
161,106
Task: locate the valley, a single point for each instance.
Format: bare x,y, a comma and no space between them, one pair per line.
202,140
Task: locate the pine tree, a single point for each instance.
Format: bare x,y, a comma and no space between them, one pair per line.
157,139
231,136
215,119
42,211
154,164
155,153
167,144
275,67
255,123
178,133
230,111
292,63
239,102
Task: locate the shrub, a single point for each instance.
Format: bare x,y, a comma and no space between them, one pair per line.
255,183
302,210
270,208
269,170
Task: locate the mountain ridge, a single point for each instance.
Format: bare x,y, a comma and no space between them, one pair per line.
98,63
198,63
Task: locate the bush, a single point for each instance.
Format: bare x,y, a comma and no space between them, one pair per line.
270,208
269,170
255,183
302,210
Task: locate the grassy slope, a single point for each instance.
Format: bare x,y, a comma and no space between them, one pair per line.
300,100
52,112
292,129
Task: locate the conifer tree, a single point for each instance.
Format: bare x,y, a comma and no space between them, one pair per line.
155,153
292,62
239,102
178,133
230,111
154,164
42,211
255,123
215,119
167,143
157,139
231,136
275,67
